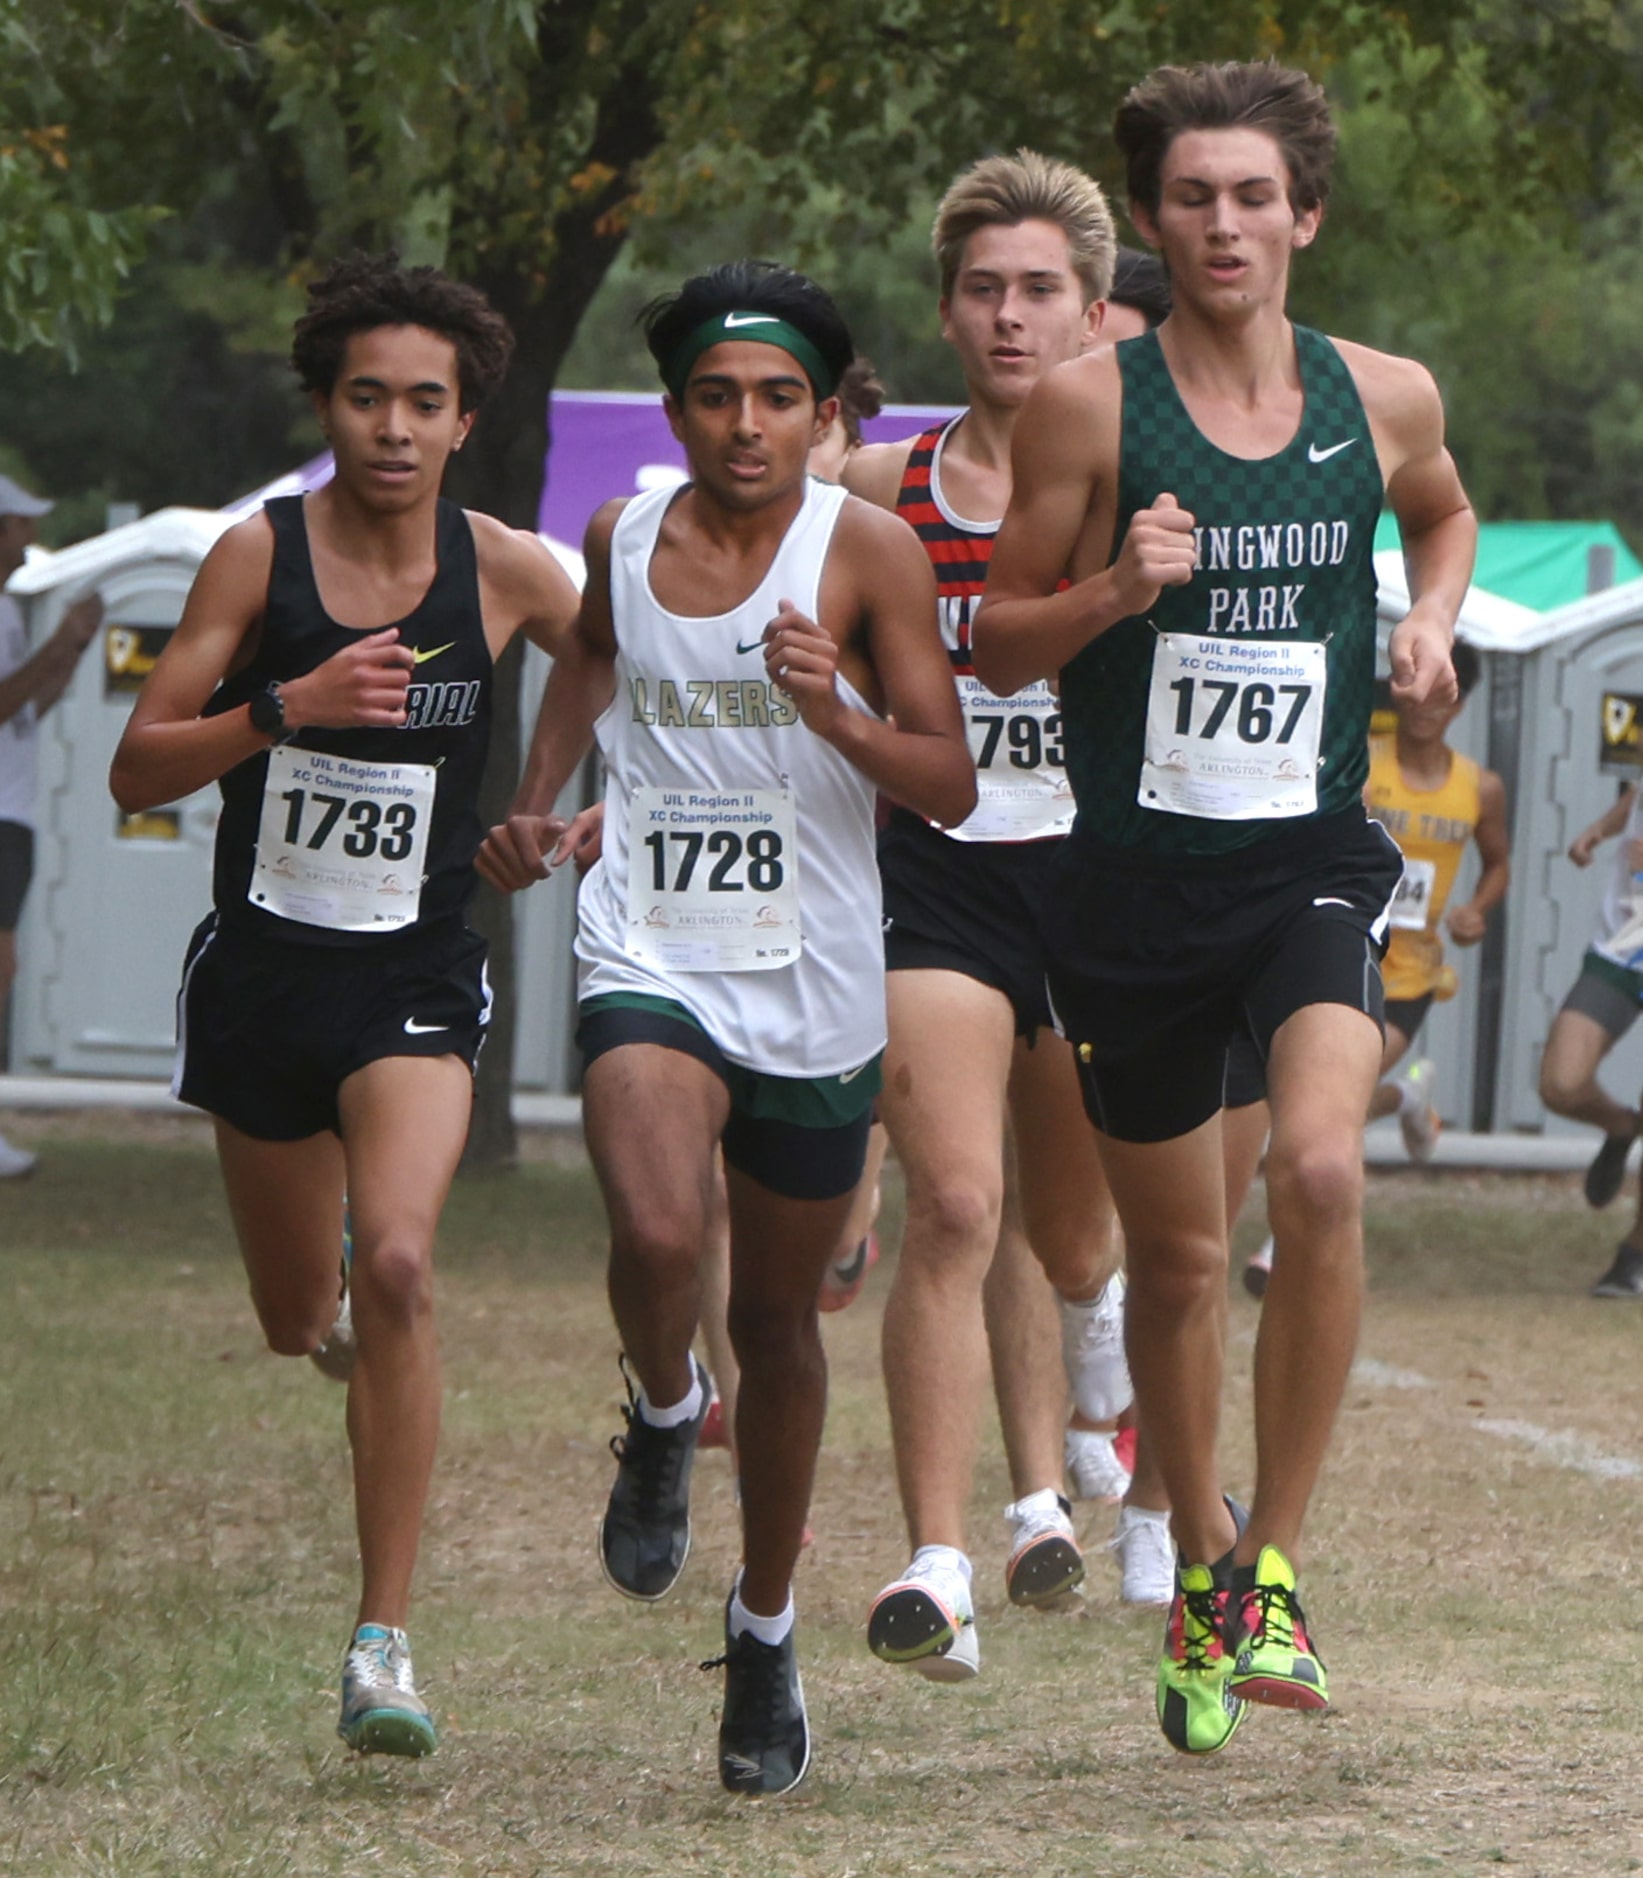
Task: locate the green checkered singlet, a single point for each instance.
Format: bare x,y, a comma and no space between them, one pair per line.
1284,553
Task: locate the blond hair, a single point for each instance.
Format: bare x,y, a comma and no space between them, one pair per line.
1002,191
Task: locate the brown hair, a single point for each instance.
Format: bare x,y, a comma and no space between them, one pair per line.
860,397
1002,191
1265,96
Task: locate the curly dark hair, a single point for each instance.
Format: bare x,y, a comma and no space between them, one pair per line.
370,290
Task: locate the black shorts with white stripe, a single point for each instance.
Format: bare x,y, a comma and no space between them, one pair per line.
268,1033
1157,962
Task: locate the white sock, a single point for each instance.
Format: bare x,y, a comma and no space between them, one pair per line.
946,1555
684,1410
1411,1098
771,1630
1133,1513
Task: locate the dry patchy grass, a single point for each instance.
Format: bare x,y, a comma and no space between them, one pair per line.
176,1574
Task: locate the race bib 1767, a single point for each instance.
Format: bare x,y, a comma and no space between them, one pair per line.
1233,728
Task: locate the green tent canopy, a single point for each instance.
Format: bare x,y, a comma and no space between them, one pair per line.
1538,564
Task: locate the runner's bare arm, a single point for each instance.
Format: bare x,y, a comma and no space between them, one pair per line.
518,852
43,676
1605,828
917,753
522,587
874,472
1065,455
1440,532
169,750
1466,923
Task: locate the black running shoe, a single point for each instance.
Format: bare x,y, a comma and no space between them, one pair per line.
1624,1278
1608,1169
764,1735
644,1538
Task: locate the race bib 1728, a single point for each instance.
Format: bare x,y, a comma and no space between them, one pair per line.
713,881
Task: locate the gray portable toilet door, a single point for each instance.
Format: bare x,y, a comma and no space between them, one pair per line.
121,894
1582,784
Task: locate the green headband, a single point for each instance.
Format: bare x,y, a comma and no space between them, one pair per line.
764,328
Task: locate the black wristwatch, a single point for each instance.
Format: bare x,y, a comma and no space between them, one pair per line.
268,713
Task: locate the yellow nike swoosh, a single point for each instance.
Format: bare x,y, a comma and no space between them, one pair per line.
418,657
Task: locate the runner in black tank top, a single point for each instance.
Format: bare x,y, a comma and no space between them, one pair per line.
334,1003
447,728
1211,492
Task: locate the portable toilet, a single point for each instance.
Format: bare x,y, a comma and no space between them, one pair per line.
114,897
1581,712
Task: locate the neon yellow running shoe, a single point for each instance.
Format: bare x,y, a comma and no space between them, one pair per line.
1196,1709
1273,1658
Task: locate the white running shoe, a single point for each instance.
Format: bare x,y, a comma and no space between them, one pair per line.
926,1617
15,1162
1146,1557
1416,1116
1045,1565
1259,1268
1092,1351
335,1356
1094,1471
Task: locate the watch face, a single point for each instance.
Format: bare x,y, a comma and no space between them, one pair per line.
267,713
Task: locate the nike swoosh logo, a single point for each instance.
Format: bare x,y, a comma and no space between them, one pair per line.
414,1029
733,320
757,646
1315,455
418,657
1326,900
850,1075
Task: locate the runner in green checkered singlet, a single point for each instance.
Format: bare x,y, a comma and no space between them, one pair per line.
1209,495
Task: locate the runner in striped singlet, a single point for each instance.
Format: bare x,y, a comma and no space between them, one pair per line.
1024,246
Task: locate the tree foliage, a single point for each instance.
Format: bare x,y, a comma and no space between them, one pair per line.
525,142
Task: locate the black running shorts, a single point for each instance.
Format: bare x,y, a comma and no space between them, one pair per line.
267,1032
16,871
967,906
1157,962
1406,1015
1245,1082
1607,993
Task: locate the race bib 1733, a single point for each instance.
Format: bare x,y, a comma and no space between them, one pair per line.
342,844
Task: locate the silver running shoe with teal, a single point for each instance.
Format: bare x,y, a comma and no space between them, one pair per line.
381,1710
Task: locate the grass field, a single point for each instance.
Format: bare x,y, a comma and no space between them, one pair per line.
176,1580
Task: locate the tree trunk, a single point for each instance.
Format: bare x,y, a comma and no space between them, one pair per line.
501,472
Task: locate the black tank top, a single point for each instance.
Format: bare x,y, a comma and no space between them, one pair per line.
447,727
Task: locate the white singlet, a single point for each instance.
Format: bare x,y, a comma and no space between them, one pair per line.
738,876
1619,935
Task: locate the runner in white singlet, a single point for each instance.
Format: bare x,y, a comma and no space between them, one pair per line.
757,652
